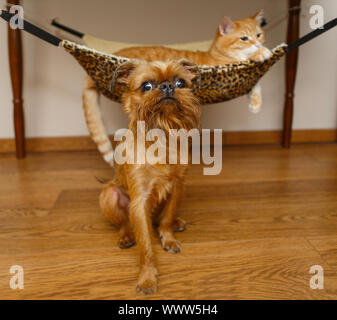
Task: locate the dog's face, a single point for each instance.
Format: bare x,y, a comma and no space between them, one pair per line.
160,94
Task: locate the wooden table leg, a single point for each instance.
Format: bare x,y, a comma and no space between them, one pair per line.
291,69
15,66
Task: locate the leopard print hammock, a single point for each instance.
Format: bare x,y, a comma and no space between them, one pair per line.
217,83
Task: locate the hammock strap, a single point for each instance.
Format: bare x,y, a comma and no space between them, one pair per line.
80,35
33,29
313,34
67,29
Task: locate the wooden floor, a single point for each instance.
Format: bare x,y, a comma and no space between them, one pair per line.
253,231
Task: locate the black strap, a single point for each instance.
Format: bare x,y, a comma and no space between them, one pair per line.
312,35
81,34
67,29
36,31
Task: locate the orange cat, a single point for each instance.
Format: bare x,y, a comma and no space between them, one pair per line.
234,41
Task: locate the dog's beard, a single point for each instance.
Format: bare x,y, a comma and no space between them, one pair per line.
179,112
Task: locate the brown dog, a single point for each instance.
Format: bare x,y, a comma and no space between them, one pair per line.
159,93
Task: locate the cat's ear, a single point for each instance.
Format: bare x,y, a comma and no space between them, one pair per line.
259,17
225,25
122,73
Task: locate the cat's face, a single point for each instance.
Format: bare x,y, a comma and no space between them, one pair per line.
241,38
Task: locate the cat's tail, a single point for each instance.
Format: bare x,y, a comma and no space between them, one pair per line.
94,121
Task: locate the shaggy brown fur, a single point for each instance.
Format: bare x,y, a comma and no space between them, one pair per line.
142,194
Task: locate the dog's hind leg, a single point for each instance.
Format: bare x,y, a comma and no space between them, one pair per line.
179,225
115,205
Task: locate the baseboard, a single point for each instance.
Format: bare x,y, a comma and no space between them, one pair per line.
275,136
50,144
229,138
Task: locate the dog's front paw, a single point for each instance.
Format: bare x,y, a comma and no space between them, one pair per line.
147,282
169,243
261,55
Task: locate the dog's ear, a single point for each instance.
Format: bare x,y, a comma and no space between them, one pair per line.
226,25
191,68
122,73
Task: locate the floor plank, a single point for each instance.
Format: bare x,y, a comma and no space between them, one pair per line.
327,247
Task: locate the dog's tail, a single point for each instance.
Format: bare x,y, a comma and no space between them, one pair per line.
94,121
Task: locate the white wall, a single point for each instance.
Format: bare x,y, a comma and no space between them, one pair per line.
53,80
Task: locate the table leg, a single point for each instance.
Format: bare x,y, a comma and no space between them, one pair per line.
291,69
15,66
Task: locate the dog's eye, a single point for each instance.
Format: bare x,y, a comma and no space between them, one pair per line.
259,35
147,86
180,83
244,38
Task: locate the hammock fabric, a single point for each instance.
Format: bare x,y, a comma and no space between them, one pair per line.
218,83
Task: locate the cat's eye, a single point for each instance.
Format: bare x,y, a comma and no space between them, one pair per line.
180,83
244,38
147,86
259,35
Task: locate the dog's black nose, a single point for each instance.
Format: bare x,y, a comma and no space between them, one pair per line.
167,88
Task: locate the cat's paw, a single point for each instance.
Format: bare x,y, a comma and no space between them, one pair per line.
261,55
282,45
